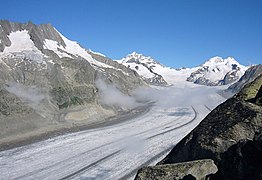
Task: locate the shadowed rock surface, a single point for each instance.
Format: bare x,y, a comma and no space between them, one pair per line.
243,160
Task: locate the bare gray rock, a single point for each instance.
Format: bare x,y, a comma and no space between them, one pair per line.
38,33
250,75
198,170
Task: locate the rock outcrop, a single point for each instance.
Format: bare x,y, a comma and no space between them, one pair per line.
199,169
250,75
230,135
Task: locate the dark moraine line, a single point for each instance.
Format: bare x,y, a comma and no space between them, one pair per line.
208,108
133,172
87,152
178,127
61,162
82,170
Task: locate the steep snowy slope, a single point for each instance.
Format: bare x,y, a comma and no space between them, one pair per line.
218,71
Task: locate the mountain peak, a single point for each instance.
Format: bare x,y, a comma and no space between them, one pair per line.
37,33
217,71
219,61
138,55
134,53
139,58
145,66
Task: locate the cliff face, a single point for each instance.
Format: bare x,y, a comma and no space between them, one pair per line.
230,135
38,33
250,75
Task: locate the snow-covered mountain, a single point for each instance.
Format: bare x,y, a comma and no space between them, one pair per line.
153,72
218,71
145,67
215,71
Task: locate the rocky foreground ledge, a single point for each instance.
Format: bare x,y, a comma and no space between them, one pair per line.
191,169
230,136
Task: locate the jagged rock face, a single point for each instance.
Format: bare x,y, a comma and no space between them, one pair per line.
252,91
123,81
146,67
227,133
44,76
230,77
217,71
250,75
157,80
199,170
38,33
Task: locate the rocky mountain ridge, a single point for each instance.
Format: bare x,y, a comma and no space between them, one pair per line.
250,75
214,72
49,82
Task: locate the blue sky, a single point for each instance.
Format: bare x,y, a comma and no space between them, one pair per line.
175,32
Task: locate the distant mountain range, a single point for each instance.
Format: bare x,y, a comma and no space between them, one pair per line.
215,71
